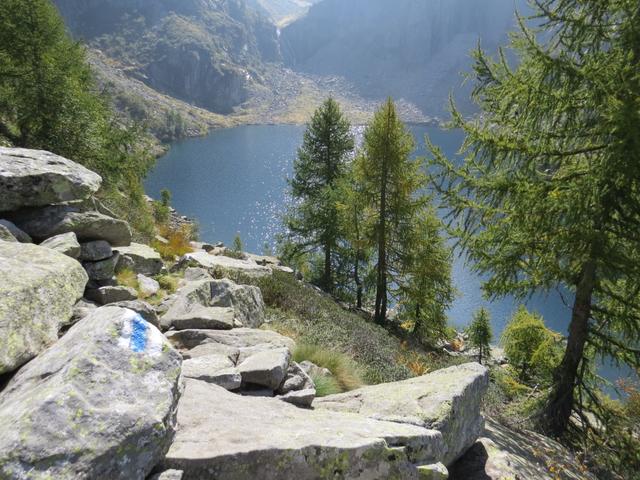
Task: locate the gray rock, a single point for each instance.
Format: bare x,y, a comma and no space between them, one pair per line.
19,235
246,301
213,348
148,286
296,379
223,435
65,243
192,274
168,475
213,318
300,398
103,269
46,222
222,263
267,369
5,235
107,295
145,310
95,251
33,178
100,403
141,259
314,370
83,308
435,471
446,400
38,288
217,369
247,341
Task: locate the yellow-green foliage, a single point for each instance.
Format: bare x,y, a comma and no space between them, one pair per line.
178,242
127,278
344,371
169,283
532,348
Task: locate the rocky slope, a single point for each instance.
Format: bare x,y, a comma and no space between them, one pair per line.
97,383
205,52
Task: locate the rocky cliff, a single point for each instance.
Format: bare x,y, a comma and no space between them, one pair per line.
97,383
206,52
411,49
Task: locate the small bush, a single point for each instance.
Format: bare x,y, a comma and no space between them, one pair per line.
326,385
343,369
178,242
128,278
168,283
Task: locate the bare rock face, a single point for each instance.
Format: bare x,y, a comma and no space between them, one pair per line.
100,403
227,436
446,400
46,222
38,289
34,178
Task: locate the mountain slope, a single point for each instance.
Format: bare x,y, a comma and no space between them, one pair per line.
283,12
411,49
205,52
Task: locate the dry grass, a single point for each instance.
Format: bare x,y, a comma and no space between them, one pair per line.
128,278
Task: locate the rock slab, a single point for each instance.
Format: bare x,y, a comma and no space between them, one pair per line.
101,403
226,436
446,400
141,259
38,289
65,243
33,178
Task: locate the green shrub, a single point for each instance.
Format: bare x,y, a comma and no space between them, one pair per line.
342,367
326,385
168,283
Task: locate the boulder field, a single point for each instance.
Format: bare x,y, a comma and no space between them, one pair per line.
96,383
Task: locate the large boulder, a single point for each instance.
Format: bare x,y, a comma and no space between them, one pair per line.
217,369
95,251
141,259
266,369
223,435
65,243
109,294
42,223
446,400
34,178
244,341
222,263
38,289
245,300
211,318
101,403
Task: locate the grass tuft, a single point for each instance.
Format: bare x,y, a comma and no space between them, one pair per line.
345,372
326,385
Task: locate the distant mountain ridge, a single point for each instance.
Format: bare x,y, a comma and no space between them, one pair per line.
412,49
206,52
283,12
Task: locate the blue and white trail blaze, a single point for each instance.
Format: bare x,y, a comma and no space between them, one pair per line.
139,336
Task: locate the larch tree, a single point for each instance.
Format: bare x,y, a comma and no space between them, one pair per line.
480,333
390,182
313,222
548,195
425,287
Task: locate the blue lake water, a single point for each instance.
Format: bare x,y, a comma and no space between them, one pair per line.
234,181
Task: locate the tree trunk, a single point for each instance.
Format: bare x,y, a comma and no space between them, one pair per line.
328,283
480,355
356,277
381,284
560,405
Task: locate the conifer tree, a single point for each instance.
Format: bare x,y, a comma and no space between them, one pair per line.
313,220
480,333
549,193
390,181
425,287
